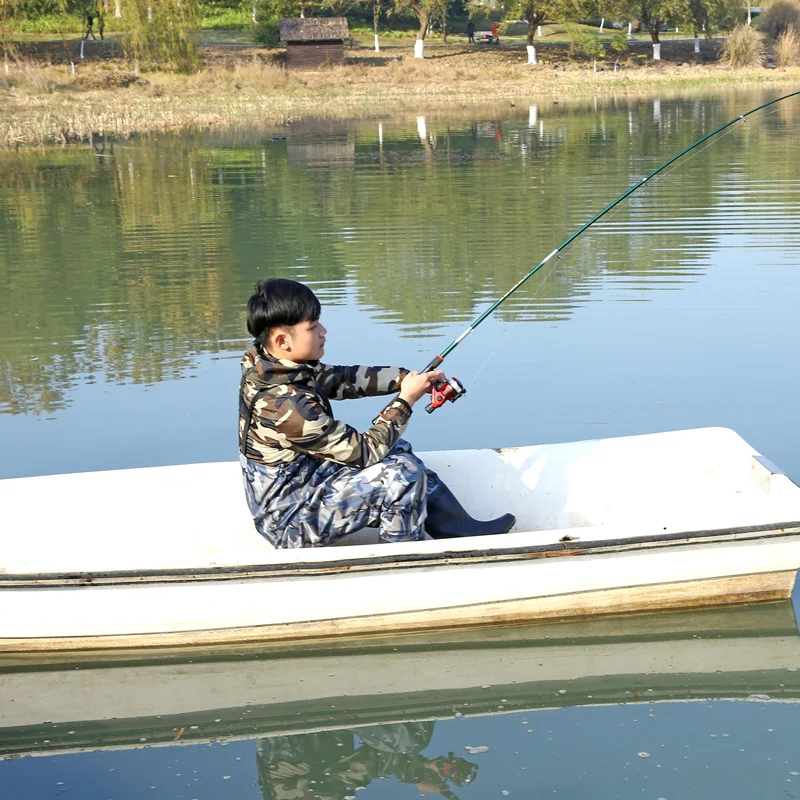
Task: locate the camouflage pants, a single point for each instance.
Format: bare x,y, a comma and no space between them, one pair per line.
312,502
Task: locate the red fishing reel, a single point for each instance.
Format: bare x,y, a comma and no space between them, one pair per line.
451,390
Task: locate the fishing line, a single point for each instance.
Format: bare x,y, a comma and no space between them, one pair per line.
508,329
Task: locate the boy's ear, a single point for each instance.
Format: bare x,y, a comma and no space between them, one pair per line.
281,339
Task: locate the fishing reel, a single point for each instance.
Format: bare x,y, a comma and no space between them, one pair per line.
451,390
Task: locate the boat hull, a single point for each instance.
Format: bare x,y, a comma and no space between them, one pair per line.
604,527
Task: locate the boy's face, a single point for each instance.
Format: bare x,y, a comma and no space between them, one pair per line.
303,342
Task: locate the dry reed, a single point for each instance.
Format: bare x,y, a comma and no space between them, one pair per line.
744,47
787,48
42,106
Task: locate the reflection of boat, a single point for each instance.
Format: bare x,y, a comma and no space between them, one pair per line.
95,701
168,555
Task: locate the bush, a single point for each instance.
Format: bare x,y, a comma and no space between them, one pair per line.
268,32
744,47
780,17
619,42
787,48
584,43
221,18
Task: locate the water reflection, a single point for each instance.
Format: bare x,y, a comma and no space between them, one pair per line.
123,267
334,765
669,705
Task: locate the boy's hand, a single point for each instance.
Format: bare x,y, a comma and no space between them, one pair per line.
416,385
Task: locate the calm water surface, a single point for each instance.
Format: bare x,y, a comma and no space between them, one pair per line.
124,277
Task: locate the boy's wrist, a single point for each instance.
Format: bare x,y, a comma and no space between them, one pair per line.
405,403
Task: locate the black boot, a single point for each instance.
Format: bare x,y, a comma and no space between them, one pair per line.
447,518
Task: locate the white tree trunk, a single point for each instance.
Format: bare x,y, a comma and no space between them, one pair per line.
531,54
377,44
117,8
419,49
253,14
602,22
594,67
630,29
657,52
422,128
72,64
697,44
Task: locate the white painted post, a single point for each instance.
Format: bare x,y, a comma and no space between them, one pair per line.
697,44
533,115
377,44
419,49
630,30
380,133
83,42
539,31
117,8
657,52
422,128
531,54
602,22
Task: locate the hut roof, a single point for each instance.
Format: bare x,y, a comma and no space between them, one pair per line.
311,30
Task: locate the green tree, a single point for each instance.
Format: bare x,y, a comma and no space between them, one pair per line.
157,32
423,10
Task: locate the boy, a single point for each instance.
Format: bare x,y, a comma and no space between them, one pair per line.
311,479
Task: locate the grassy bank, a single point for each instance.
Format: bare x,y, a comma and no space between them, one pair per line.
247,87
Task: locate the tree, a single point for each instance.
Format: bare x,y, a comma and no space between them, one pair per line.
157,32
423,10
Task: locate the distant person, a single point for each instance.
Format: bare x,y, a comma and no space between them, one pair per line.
89,26
470,32
496,32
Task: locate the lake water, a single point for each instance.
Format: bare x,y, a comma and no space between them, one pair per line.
125,271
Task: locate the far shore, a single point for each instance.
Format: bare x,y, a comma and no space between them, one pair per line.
43,105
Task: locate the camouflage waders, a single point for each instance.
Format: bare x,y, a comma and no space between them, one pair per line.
311,502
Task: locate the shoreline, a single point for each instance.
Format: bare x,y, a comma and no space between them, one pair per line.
42,106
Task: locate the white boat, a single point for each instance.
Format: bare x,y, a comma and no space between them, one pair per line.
168,556
58,703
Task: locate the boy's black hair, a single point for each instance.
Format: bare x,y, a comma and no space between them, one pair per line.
280,303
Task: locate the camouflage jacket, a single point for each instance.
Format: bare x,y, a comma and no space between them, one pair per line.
285,411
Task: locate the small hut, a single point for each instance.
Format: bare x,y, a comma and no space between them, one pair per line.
313,43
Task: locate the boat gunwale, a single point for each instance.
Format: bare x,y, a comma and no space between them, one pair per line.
575,547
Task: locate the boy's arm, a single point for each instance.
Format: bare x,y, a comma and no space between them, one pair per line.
307,427
346,383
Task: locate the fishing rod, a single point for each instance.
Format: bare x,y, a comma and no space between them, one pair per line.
451,389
